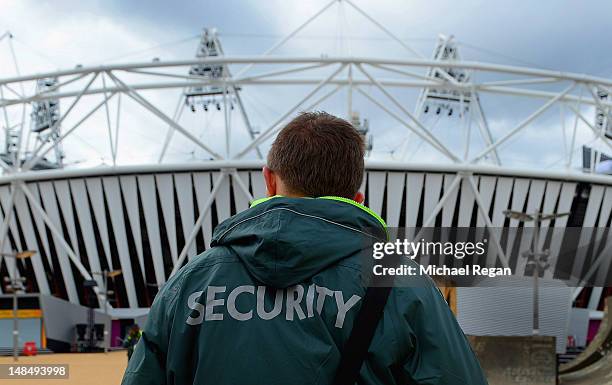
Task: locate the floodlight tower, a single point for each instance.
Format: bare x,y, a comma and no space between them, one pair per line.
603,122
442,99
450,101
363,127
209,94
45,122
215,95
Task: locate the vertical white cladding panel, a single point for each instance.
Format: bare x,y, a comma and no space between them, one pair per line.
466,202
502,200
566,197
258,185
519,196
606,208
376,190
203,188
50,204
448,210
94,188
604,215
222,199
5,200
433,188
40,224
166,197
240,198
130,194
29,233
65,204
115,208
590,216
184,192
414,189
395,188
6,248
534,203
550,201
486,189
81,203
146,186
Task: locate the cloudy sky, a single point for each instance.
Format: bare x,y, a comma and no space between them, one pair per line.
561,35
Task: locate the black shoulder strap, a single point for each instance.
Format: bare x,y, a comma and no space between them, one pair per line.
356,347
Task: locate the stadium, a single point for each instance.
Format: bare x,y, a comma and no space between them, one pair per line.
86,246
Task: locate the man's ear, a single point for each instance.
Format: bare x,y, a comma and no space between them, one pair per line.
359,197
271,183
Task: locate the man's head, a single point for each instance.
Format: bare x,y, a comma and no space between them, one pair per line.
316,154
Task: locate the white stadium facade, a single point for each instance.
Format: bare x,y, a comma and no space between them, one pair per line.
148,219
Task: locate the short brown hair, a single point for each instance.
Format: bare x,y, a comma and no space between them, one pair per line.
318,154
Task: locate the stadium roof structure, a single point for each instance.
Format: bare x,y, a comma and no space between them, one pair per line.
149,217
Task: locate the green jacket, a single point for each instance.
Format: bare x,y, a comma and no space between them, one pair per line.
274,300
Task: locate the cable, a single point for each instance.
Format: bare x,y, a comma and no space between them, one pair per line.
317,37
494,53
174,42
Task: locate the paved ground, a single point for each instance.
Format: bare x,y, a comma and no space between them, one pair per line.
85,368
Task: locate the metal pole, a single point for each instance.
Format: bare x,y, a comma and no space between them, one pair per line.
15,321
106,341
536,275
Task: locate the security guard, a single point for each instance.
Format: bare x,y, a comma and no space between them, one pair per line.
277,296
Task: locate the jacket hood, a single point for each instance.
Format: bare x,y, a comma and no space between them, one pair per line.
283,241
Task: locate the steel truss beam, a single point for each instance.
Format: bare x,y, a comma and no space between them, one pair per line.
146,104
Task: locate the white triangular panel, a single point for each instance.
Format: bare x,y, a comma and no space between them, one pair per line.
115,208
466,202
6,248
240,198
130,194
414,189
29,233
376,190
519,196
165,189
534,202
184,192
501,204
395,189
486,188
203,188
551,196
40,224
81,203
604,216
566,197
590,218
96,195
49,199
148,196
448,210
5,199
433,191
222,199
65,203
